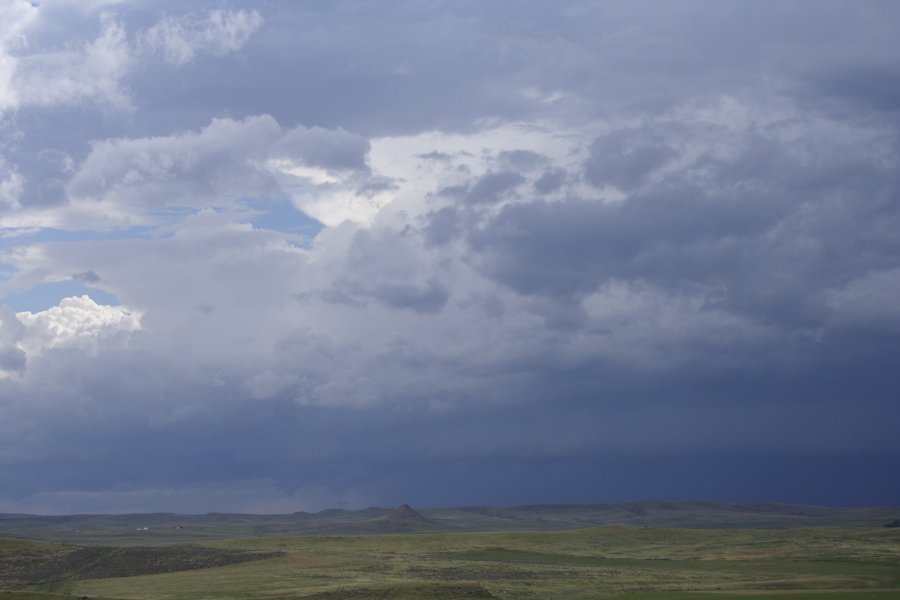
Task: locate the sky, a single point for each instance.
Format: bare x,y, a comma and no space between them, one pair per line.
278,256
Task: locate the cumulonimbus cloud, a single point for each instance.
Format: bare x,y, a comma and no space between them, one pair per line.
585,236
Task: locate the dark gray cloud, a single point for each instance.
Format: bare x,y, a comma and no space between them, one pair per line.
443,226
765,232
522,160
87,277
328,149
550,181
428,298
623,162
872,86
491,187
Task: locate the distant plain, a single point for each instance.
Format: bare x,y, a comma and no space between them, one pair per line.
640,551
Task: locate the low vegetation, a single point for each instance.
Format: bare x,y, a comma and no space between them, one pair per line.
603,562
626,562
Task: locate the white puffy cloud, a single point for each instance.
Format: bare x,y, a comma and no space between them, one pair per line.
14,18
75,71
424,164
180,39
76,322
91,72
11,184
323,171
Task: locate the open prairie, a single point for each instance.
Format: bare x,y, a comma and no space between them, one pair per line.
601,562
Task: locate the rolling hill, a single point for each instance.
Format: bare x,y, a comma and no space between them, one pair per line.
165,528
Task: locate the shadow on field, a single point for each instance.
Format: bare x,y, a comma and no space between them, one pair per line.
432,591
38,565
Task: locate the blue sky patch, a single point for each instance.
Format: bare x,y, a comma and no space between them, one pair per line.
282,216
47,295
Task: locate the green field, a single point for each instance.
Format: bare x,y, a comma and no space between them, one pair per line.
602,562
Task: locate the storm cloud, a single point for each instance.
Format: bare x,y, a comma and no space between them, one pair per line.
296,255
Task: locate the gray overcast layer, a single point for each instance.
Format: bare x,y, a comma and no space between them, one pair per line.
273,256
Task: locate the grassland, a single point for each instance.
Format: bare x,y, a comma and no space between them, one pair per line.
440,560
603,562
